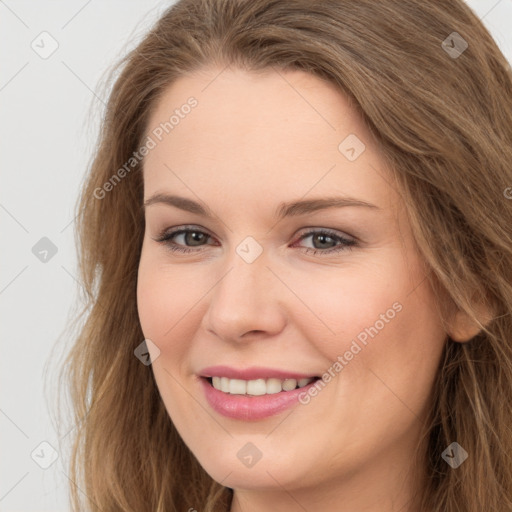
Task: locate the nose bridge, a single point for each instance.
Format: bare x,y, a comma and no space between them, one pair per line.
247,285
244,299
248,273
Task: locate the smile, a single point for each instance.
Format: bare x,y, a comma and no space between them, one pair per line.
257,387
252,394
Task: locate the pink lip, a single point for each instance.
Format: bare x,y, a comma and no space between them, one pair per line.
255,372
250,408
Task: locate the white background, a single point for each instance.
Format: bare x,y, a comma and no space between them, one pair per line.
49,118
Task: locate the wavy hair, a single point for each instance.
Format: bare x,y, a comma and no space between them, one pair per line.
444,125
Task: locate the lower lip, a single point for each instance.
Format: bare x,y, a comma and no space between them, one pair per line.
248,408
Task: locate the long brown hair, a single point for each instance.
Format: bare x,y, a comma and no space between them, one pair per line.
442,115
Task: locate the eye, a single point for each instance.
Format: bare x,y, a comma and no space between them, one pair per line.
327,236
195,238
191,234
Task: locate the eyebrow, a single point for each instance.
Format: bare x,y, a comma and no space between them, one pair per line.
290,209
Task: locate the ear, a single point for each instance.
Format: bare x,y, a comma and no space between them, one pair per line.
462,328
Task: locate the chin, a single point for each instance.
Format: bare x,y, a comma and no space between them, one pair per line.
267,473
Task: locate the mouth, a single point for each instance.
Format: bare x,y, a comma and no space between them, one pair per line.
257,398
257,387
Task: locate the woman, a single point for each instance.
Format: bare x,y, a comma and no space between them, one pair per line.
229,360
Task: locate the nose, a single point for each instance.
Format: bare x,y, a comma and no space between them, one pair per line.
247,302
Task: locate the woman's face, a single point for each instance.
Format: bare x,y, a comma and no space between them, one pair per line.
272,293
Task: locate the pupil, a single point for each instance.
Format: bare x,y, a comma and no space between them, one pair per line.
196,237
323,237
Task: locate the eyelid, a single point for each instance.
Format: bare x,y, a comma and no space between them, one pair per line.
301,234
344,243
333,232
183,228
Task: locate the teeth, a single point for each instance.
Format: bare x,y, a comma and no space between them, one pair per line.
273,386
289,384
237,387
258,387
224,384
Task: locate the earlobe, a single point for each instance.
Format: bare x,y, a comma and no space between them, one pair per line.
463,328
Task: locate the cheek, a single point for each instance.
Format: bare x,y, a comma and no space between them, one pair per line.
391,354
153,299
362,302
388,334
165,300
166,296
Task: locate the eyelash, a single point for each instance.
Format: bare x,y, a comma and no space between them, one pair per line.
346,244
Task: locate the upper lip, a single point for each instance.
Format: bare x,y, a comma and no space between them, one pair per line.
251,373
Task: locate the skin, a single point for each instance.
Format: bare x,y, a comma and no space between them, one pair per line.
256,140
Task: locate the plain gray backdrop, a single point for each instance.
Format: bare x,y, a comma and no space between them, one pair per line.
53,56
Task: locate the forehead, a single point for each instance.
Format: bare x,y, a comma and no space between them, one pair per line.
279,133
